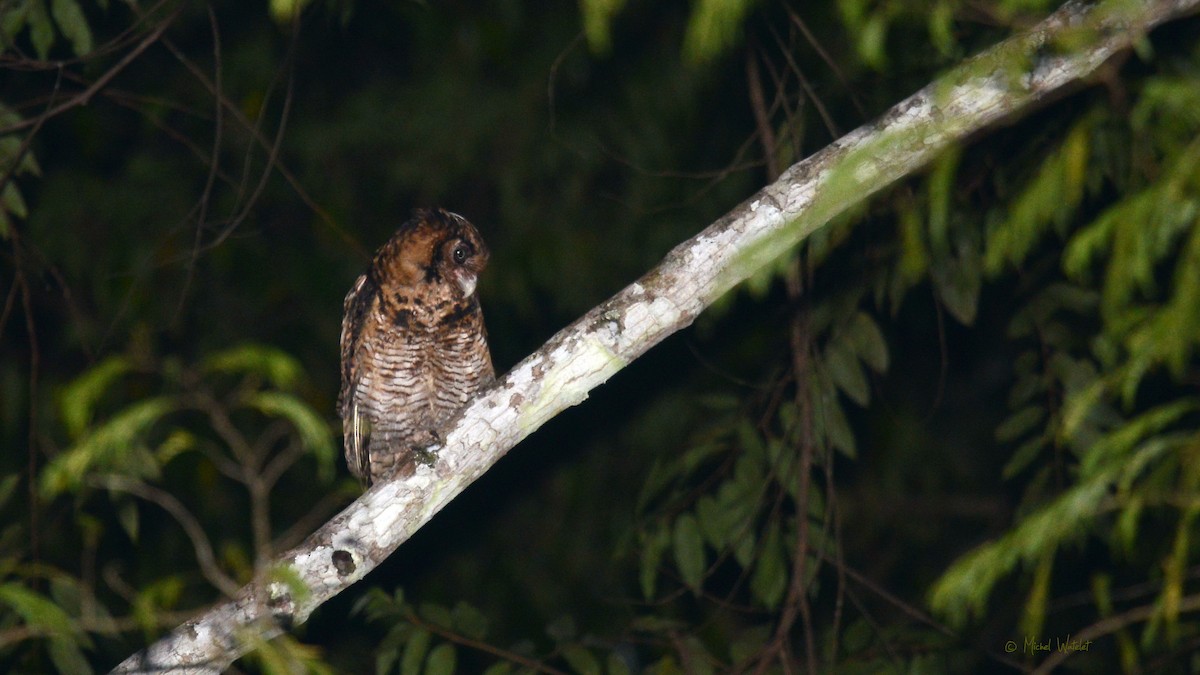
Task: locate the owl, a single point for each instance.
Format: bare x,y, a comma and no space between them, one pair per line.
414,348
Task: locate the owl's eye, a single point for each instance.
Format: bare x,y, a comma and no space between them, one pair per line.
460,254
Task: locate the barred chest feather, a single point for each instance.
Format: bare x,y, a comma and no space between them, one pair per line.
415,375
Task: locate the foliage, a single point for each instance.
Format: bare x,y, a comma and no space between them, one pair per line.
962,414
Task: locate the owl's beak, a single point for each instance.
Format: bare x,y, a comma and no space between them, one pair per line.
466,281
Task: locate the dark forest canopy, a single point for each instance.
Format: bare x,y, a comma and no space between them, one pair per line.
957,425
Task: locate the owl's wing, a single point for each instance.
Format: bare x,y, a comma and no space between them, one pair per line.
356,427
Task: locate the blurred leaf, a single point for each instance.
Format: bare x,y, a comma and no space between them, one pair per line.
867,341
689,551
1020,423
116,445
436,613
1034,617
713,27
39,613
563,628
8,486
581,660
41,31
958,283
414,652
941,190
152,598
288,576
274,364
176,443
615,665
68,658
13,202
127,513
73,24
470,621
598,17
284,12
1049,199
79,399
13,19
871,41
314,431
441,660
846,372
653,547
962,590
770,579
1024,456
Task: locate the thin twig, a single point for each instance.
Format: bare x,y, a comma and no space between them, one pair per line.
191,527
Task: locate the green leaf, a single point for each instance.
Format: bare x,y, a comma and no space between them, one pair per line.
78,400
13,202
867,340
414,652
12,20
435,613
115,446
958,282
581,659
469,621
37,612
1024,455
315,433
1034,615
846,372
830,421
713,27
68,658
41,30
962,590
871,41
1020,423
597,22
653,548
387,651
689,551
1050,198
8,486
127,513
769,579
441,660
151,599
1126,528
272,363
73,24
941,27
941,188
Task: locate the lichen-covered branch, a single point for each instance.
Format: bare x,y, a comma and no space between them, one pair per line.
1001,83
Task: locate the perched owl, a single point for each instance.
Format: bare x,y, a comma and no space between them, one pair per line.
414,348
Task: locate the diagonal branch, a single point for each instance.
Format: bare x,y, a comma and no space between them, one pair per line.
1001,83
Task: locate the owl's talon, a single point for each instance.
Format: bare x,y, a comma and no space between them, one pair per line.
426,455
429,444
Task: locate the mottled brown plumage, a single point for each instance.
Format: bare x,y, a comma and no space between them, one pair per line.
414,348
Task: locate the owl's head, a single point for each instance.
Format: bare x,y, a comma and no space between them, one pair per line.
437,250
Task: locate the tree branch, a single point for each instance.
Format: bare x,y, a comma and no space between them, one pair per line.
1000,83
